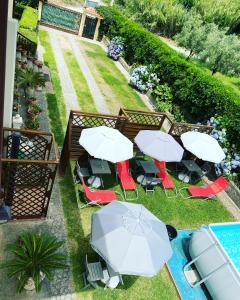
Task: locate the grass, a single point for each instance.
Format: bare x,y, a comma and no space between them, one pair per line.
178,212
110,80
84,96
56,106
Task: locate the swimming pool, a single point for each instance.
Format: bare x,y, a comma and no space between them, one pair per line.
215,252
229,237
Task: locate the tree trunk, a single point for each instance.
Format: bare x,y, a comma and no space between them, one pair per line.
190,54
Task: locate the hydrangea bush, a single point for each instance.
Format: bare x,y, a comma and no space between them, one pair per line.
230,166
115,48
143,78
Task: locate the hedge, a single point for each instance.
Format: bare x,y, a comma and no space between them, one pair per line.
28,24
18,10
199,94
29,18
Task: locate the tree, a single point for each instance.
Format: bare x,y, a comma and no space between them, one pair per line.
193,34
222,52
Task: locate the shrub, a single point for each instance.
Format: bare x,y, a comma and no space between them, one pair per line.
32,3
143,78
18,10
163,97
29,18
199,95
28,24
34,254
115,48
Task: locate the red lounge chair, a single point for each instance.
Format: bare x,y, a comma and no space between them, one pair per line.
97,197
167,181
126,179
208,191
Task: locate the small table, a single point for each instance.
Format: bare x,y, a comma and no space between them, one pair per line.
191,168
99,167
149,168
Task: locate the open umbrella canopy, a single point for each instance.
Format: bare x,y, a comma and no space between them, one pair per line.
130,239
159,145
203,146
106,143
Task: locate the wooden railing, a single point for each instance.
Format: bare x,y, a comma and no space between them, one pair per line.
30,162
26,44
129,122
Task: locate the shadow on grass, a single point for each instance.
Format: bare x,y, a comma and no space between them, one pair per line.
55,118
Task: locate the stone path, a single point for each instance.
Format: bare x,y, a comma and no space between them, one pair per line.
93,87
61,288
69,93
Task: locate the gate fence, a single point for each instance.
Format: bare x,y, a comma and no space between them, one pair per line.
60,17
30,163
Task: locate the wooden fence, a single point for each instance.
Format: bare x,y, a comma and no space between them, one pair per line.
30,163
129,122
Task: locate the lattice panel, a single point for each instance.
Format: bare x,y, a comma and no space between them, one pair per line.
178,128
145,119
27,190
93,121
34,148
61,17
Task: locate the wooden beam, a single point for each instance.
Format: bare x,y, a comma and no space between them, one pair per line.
3,43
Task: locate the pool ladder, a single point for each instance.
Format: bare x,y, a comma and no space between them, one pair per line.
185,268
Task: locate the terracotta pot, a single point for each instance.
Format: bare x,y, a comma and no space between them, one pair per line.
24,65
30,285
24,52
32,101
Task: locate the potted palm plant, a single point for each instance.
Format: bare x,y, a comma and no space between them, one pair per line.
32,124
36,256
29,80
34,111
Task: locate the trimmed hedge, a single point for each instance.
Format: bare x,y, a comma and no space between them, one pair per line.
18,10
29,18
199,94
28,24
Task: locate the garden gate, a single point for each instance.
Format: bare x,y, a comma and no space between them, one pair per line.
60,17
30,164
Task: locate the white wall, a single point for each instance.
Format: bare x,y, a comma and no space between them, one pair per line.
10,9
10,71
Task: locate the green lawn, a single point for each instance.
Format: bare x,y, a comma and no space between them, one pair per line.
110,80
85,99
56,106
178,212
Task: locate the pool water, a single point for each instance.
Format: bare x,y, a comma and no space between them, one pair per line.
229,238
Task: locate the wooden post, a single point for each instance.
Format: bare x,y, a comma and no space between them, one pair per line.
83,19
97,29
40,5
3,43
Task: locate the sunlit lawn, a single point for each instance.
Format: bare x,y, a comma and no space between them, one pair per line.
110,80
178,212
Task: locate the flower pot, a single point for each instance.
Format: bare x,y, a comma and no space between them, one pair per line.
24,65
30,285
32,101
32,115
24,52
30,92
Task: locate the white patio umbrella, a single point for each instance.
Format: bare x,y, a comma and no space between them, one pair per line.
106,143
130,239
203,146
159,145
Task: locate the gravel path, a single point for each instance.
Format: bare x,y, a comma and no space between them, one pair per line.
69,93
93,87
